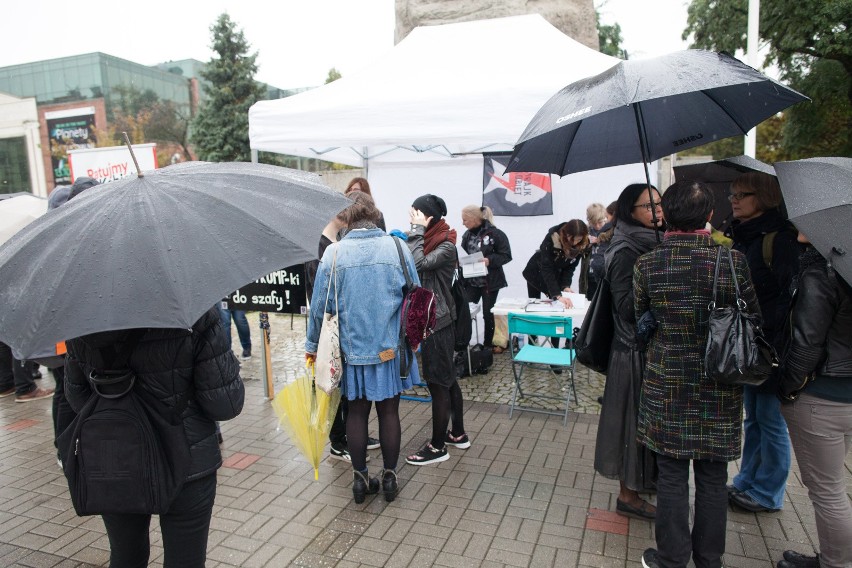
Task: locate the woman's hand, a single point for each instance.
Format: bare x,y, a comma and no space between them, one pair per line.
417,217
592,239
569,290
310,358
486,261
566,302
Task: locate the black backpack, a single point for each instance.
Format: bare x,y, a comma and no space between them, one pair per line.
126,452
463,328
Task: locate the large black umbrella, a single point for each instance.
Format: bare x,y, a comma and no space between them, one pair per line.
818,193
640,111
156,251
718,176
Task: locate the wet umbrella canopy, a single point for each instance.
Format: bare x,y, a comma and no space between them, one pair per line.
718,176
818,193
158,250
642,110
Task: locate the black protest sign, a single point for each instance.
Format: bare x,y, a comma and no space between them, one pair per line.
282,291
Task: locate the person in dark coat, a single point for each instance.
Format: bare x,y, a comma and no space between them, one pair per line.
686,418
170,363
818,368
760,230
550,269
617,453
482,236
593,265
432,243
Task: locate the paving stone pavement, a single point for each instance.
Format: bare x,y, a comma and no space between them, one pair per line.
524,494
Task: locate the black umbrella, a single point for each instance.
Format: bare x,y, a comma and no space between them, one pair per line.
818,193
156,251
640,111
718,176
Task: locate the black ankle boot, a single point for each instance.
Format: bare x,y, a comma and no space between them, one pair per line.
389,484
363,485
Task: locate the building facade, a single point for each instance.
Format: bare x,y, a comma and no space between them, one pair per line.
21,165
77,95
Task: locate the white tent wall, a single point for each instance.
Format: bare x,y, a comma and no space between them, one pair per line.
458,181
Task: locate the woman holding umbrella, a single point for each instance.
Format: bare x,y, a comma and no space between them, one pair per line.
617,453
768,241
366,277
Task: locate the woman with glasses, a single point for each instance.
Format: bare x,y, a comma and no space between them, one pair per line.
617,453
768,241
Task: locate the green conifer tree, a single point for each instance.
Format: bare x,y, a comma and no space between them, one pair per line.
220,129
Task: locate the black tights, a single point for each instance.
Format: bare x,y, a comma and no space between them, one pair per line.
390,431
446,403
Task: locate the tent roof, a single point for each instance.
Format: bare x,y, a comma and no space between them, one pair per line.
448,89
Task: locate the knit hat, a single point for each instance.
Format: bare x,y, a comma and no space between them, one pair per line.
431,206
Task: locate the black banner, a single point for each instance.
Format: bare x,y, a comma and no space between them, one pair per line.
282,291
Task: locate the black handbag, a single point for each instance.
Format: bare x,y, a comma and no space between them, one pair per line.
737,353
594,341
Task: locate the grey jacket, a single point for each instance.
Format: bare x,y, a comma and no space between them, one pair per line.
436,273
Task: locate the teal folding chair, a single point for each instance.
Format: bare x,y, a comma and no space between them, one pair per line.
546,357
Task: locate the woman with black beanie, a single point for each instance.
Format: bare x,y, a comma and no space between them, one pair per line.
433,245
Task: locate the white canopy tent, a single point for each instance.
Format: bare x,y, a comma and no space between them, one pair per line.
443,90
419,117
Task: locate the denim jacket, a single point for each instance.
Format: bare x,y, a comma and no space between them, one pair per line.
369,291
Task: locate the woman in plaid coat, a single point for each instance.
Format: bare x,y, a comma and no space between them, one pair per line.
683,415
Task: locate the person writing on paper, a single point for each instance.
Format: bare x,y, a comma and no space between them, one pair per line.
617,453
482,236
367,281
550,269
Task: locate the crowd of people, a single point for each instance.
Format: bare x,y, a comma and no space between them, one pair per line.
660,413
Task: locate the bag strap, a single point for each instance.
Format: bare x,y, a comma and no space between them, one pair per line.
332,278
767,248
408,281
738,300
405,361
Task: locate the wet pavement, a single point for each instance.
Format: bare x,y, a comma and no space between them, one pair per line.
524,494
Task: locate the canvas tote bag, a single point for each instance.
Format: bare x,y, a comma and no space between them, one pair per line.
328,367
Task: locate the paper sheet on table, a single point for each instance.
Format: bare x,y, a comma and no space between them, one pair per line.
473,265
579,300
545,306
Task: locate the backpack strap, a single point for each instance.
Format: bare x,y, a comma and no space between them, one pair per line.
767,249
405,360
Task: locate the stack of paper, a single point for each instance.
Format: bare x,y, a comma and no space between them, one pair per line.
473,265
512,303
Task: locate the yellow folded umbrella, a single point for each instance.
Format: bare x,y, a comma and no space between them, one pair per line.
306,414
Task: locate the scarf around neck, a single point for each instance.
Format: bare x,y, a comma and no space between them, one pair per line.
437,234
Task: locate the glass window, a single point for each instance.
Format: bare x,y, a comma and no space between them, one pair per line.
14,166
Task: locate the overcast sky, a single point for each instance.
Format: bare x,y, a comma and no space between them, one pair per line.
298,40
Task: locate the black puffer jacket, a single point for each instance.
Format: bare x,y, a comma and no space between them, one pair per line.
170,362
549,270
773,285
436,273
494,245
821,326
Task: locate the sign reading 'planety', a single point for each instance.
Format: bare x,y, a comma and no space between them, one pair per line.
282,291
